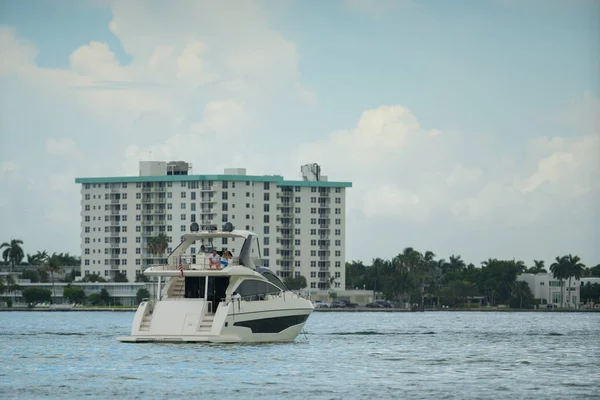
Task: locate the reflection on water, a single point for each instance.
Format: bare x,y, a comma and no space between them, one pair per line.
441,355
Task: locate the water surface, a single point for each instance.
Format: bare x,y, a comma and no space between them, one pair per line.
433,355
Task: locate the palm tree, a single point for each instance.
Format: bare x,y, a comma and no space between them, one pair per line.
455,263
53,264
538,267
573,269
41,257
158,244
559,271
13,252
426,269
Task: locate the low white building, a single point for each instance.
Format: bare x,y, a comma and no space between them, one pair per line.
120,293
548,289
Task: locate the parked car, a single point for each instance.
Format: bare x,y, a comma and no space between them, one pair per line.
348,304
379,304
320,304
384,303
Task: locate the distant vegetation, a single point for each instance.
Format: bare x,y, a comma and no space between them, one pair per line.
420,278
412,276
50,265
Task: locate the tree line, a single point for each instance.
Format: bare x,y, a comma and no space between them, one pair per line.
419,278
75,295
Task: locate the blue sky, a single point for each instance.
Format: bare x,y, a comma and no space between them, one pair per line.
467,127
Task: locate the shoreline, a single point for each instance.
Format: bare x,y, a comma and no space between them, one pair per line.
362,309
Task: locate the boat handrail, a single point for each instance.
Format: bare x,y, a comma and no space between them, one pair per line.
193,262
256,297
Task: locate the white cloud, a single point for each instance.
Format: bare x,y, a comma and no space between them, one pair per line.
63,147
400,169
9,171
573,164
16,54
463,175
222,116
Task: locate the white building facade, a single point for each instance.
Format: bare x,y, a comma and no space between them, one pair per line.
301,224
548,289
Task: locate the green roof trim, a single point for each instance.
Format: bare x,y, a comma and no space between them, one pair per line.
181,178
277,179
315,183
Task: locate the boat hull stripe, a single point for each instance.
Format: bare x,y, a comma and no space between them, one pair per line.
273,324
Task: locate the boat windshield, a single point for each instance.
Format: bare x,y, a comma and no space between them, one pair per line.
271,277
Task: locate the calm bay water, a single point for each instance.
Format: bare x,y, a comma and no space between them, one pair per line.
441,355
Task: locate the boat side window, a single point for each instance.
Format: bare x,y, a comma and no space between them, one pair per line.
252,289
271,277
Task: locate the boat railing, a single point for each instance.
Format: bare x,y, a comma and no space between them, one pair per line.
255,297
194,262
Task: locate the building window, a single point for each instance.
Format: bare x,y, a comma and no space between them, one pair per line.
267,186
266,219
266,197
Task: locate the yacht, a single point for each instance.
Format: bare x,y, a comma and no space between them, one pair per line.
198,301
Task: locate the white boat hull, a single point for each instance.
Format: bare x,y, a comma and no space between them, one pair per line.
277,319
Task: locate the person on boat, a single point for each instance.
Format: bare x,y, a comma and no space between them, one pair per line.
225,259
203,249
214,260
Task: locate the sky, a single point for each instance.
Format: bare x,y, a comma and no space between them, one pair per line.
467,127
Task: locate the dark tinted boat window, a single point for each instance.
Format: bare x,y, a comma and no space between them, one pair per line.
255,288
271,277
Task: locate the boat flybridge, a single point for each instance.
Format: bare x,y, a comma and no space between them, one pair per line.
200,302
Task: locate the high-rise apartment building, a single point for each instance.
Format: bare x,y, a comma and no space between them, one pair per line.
301,224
